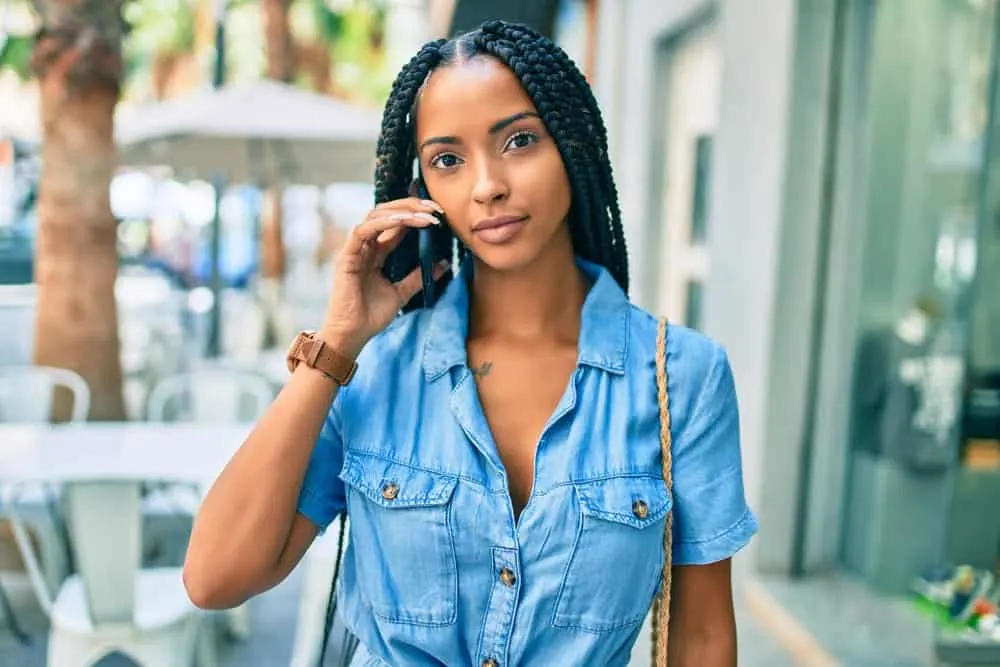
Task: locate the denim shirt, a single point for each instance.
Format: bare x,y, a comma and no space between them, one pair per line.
438,572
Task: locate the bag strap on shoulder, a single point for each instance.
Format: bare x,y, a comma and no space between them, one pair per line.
661,605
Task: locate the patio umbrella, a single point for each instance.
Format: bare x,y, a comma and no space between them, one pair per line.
264,133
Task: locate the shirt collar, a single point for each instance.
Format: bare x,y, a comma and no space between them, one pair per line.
604,324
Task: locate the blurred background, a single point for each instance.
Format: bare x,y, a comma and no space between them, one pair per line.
814,183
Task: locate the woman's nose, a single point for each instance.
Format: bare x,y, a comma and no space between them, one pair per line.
490,185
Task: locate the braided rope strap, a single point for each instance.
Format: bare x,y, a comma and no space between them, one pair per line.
661,605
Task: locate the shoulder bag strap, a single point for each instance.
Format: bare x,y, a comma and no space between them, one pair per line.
661,605
331,600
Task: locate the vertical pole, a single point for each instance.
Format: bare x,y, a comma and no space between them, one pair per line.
215,282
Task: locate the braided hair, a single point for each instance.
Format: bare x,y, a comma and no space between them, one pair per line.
569,112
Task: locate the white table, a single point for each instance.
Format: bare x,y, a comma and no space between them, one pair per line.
151,451
118,451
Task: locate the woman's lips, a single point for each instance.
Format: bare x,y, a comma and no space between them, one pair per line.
499,230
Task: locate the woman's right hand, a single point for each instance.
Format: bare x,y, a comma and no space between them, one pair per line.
363,301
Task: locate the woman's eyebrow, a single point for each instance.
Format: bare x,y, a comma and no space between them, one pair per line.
504,123
496,127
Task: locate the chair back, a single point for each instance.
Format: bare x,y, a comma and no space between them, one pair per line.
27,393
105,531
216,395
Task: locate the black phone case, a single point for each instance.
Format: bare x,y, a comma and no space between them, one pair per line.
429,246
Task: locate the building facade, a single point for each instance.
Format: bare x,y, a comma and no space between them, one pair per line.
816,184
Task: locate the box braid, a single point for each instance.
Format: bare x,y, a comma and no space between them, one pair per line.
569,111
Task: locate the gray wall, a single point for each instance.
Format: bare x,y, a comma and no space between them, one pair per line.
765,208
762,250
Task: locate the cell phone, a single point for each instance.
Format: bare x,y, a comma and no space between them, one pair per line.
425,250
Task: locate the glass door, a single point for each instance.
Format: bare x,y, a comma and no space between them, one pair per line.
924,141
692,84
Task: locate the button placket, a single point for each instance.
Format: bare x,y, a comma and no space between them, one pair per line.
499,621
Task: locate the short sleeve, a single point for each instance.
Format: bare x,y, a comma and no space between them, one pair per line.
712,520
322,497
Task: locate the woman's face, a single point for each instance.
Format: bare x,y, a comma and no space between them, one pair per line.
488,161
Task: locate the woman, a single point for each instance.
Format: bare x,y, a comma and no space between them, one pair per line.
498,454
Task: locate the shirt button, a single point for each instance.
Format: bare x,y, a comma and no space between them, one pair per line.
390,491
490,662
507,576
640,509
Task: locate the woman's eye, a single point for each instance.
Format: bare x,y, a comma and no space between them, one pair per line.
445,161
521,140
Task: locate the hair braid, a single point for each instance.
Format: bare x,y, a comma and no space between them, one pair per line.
395,154
569,111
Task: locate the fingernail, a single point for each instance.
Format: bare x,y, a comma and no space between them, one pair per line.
444,264
428,217
433,205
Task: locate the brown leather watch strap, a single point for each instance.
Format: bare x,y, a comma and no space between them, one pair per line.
311,350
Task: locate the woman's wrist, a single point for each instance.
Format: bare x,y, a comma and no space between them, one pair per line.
343,343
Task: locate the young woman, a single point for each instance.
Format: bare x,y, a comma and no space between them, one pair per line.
498,454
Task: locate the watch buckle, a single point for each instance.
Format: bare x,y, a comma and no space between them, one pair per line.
315,349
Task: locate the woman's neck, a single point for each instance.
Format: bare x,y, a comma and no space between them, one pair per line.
540,301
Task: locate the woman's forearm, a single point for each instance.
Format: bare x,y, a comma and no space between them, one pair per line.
243,525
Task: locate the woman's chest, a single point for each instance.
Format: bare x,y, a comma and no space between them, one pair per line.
520,396
427,545
432,515
588,425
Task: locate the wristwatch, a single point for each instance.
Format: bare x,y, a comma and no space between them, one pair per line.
311,350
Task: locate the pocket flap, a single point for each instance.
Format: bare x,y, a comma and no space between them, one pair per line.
392,484
633,501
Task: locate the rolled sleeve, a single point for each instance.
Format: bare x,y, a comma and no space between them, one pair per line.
712,520
322,497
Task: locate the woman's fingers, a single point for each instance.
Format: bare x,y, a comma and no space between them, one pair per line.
408,287
368,231
410,204
388,241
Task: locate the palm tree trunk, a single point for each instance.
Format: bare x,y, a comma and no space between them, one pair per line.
280,65
77,57
278,39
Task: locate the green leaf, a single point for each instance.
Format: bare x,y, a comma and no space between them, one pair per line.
329,23
15,54
160,25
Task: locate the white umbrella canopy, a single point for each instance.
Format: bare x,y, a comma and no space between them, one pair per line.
265,133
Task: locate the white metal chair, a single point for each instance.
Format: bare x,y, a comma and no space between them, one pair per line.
216,395
112,605
210,395
26,393
17,322
26,396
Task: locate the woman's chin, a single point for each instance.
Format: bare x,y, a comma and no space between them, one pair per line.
504,258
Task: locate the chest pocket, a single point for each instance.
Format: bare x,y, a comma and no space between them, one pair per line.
402,540
617,560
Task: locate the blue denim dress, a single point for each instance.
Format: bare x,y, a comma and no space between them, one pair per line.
437,570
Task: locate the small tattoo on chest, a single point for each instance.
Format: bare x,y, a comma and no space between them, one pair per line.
482,370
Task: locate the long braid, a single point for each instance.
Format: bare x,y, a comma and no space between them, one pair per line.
395,150
396,153
570,113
